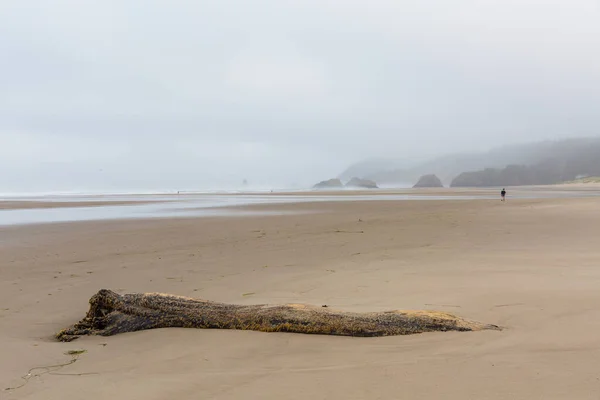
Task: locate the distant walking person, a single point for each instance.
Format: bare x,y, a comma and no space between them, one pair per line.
503,194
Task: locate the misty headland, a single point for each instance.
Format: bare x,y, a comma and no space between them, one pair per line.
538,163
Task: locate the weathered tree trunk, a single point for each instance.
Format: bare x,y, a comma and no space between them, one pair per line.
111,313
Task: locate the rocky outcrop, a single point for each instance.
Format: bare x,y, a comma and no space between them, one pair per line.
429,181
329,184
361,184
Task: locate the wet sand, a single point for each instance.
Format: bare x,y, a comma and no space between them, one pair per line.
530,266
32,204
63,208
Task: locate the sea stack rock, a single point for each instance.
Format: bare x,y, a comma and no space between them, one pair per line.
429,181
329,184
361,183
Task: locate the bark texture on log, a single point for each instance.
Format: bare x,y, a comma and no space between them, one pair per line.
111,314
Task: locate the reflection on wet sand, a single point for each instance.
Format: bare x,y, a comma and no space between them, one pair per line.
49,209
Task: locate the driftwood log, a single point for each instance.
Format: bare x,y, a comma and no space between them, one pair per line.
111,314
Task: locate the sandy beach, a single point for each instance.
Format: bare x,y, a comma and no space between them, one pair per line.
528,265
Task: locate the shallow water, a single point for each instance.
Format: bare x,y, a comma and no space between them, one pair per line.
202,205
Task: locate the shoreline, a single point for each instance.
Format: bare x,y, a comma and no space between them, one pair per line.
133,207
33,204
171,193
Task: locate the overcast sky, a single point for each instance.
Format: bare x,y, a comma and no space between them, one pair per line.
182,94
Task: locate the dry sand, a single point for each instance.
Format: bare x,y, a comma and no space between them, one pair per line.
531,266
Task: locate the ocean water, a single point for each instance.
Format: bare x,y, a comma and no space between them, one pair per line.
164,205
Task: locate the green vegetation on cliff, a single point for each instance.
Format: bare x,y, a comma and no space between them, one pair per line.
537,163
